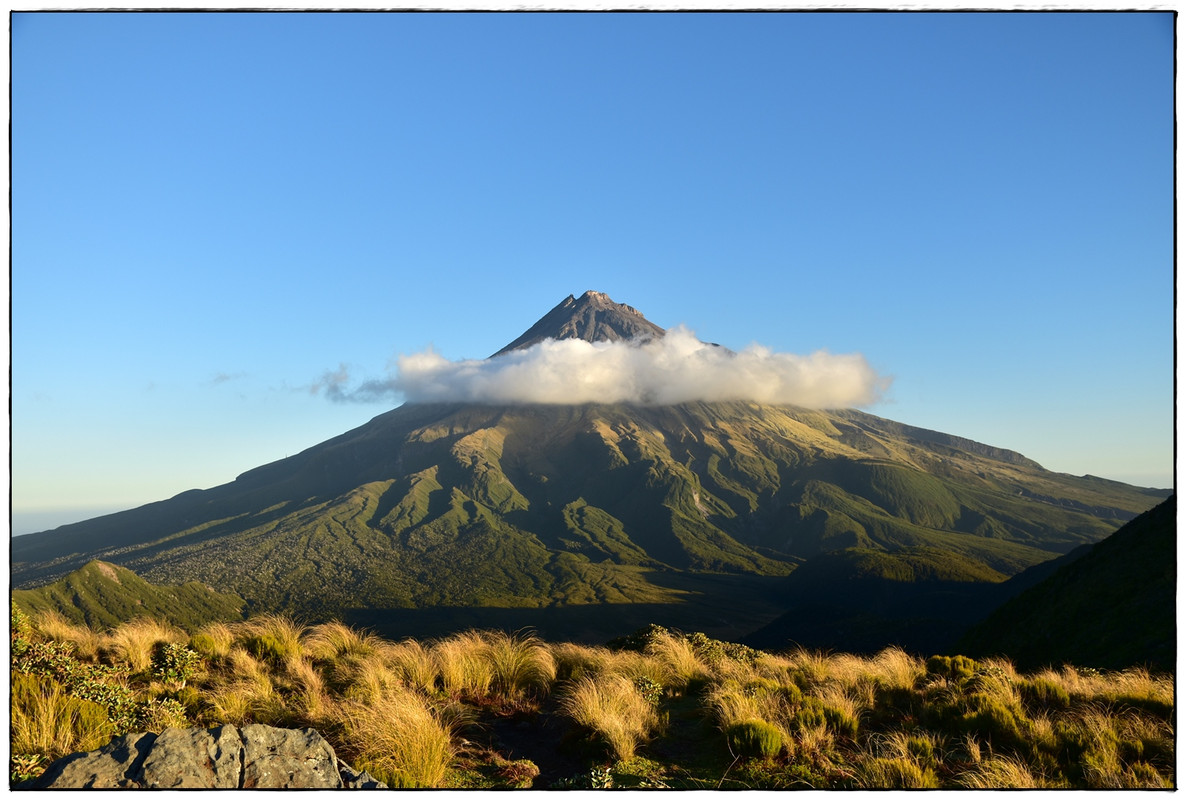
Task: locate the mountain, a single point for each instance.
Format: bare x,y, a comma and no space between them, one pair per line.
592,517
102,595
593,317
1111,608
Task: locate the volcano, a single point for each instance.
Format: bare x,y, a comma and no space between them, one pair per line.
589,520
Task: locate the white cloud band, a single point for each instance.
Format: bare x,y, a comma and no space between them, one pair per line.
674,369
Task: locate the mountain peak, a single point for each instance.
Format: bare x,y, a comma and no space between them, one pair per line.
593,317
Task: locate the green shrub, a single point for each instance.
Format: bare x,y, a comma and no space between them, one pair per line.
1040,693
174,663
956,668
754,738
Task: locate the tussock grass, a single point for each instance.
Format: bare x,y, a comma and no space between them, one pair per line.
462,664
213,641
802,718
613,708
1000,772
333,640
412,663
520,665
133,642
48,720
398,738
678,659
87,643
273,638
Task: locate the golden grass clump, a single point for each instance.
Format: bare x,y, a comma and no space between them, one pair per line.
273,638
398,738
680,664
613,708
462,664
52,625
47,720
574,661
1000,772
520,665
213,641
135,641
413,663
332,640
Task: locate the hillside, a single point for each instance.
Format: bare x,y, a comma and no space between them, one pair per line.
102,595
1114,607
601,516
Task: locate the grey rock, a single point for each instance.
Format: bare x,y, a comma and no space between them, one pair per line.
253,757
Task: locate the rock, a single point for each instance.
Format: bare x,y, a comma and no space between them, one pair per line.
226,757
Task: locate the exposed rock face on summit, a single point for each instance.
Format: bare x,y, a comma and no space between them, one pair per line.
226,757
593,317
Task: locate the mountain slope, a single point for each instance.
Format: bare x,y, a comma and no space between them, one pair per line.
102,595
1112,608
539,506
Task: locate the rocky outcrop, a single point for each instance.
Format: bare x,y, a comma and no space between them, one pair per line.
226,757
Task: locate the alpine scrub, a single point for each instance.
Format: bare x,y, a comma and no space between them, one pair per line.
659,708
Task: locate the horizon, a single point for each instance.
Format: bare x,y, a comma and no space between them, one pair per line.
213,211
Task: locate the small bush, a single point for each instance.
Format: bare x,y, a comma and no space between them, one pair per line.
956,668
1042,693
174,663
754,738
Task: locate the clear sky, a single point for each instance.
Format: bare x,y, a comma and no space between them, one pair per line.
213,211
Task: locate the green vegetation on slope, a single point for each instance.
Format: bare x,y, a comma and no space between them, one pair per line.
661,709
467,506
103,595
1113,607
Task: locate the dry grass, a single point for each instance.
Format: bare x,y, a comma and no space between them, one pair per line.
463,665
87,643
133,642
333,640
397,738
520,665
45,719
412,663
613,708
1000,772
213,641
679,663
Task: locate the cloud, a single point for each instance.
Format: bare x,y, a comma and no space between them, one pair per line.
674,369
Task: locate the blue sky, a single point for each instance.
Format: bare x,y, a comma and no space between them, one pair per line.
212,211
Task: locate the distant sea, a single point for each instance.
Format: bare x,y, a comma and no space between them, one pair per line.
34,521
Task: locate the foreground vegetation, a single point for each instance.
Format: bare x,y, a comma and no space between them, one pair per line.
657,709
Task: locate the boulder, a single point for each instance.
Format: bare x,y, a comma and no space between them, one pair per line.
226,757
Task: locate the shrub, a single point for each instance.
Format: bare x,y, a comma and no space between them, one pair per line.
754,738
956,668
174,663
